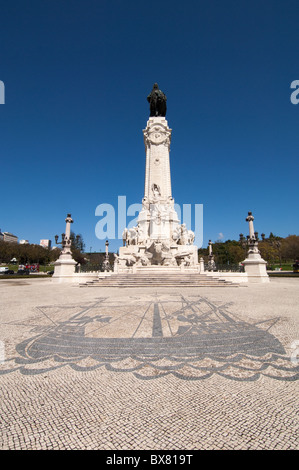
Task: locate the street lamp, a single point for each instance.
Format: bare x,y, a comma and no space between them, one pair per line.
65,265
106,264
243,242
66,241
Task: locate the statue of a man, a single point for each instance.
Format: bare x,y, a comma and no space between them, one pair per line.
157,101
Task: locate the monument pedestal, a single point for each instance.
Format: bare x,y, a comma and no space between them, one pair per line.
256,269
64,268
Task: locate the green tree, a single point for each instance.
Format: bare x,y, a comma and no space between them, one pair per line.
77,242
77,248
28,253
290,247
268,252
235,252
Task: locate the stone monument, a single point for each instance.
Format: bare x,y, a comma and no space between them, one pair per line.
106,263
158,239
254,265
211,262
65,266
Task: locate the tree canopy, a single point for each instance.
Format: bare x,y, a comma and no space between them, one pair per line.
31,253
27,254
273,249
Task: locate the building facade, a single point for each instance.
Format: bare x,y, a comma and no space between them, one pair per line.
9,237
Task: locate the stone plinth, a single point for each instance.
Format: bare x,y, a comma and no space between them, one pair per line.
255,269
64,268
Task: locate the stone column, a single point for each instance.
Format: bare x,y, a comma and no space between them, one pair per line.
106,263
254,265
158,219
66,242
211,263
210,248
250,220
64,267
157,137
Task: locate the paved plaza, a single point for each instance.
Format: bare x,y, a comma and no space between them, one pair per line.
137,369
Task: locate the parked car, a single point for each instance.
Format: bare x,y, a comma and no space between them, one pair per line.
4,270
10,271
23,271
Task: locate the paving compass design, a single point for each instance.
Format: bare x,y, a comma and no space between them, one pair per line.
191,338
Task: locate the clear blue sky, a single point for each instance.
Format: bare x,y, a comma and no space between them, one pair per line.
77,74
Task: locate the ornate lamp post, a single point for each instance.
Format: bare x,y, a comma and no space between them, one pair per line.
66,242
254,265
106,264
211,262
64,267
252,239
243,243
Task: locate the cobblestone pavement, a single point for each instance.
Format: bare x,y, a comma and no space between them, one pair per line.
105,368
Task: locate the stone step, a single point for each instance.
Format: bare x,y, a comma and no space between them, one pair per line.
124,285
158,280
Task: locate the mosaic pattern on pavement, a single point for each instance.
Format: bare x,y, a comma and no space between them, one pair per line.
190,337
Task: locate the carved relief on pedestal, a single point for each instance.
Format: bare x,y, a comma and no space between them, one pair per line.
157,133
156,192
